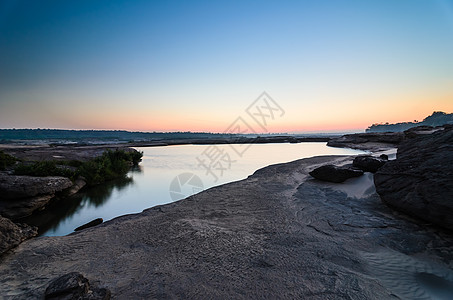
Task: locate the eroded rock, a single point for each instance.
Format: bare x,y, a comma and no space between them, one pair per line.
12,234
74,286
420,181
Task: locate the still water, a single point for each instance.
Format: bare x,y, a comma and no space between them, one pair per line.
171,173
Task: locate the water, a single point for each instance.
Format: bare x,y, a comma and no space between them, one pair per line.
167,174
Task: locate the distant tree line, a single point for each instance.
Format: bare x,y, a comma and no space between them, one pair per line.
120,135
438,118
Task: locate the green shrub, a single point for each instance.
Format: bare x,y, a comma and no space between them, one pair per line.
42,169
108,166
6,160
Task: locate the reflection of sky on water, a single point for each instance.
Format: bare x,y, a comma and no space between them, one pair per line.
151,182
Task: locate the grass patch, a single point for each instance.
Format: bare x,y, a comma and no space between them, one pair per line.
42,169
6,160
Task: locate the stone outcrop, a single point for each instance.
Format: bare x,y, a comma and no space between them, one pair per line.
368,141
15,187
20,196
12,234
368,163
335,174
74,286
420,181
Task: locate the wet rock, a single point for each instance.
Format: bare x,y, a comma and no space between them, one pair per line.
333,173
12,234
420,181
74,286
90,224
368,163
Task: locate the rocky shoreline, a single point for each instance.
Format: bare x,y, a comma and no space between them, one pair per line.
278,234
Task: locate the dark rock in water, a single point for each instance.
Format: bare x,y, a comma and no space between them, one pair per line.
420,181
368,163
90,224
12,234
384,157
333,173
75,286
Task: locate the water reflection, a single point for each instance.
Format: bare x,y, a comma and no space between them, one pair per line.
151,182
59,211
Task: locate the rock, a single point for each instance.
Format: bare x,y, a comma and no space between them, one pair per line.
384,157
74,286
274,235
368,140
333,173
79,183
12,234
420,181
368,163
421,130
14,186
22,195
90,224
16,209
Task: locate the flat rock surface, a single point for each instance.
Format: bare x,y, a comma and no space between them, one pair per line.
278,234
14,186
420,181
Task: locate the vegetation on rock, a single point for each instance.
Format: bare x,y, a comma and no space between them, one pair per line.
108,166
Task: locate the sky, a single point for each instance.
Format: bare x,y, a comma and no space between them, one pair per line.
199,65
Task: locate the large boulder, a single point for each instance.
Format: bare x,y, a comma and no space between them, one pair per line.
12,234
420,181
368,163
335,174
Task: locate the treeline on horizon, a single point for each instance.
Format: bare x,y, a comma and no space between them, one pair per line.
120,135
438,118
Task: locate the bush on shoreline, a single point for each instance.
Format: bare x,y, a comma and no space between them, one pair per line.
108,166
6,160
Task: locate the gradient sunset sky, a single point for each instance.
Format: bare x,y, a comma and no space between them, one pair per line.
197,65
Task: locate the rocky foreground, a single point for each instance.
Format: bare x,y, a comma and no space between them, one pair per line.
279,234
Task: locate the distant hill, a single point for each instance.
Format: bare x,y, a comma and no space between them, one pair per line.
438,118
101,135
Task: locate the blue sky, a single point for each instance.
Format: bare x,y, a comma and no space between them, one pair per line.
196,65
